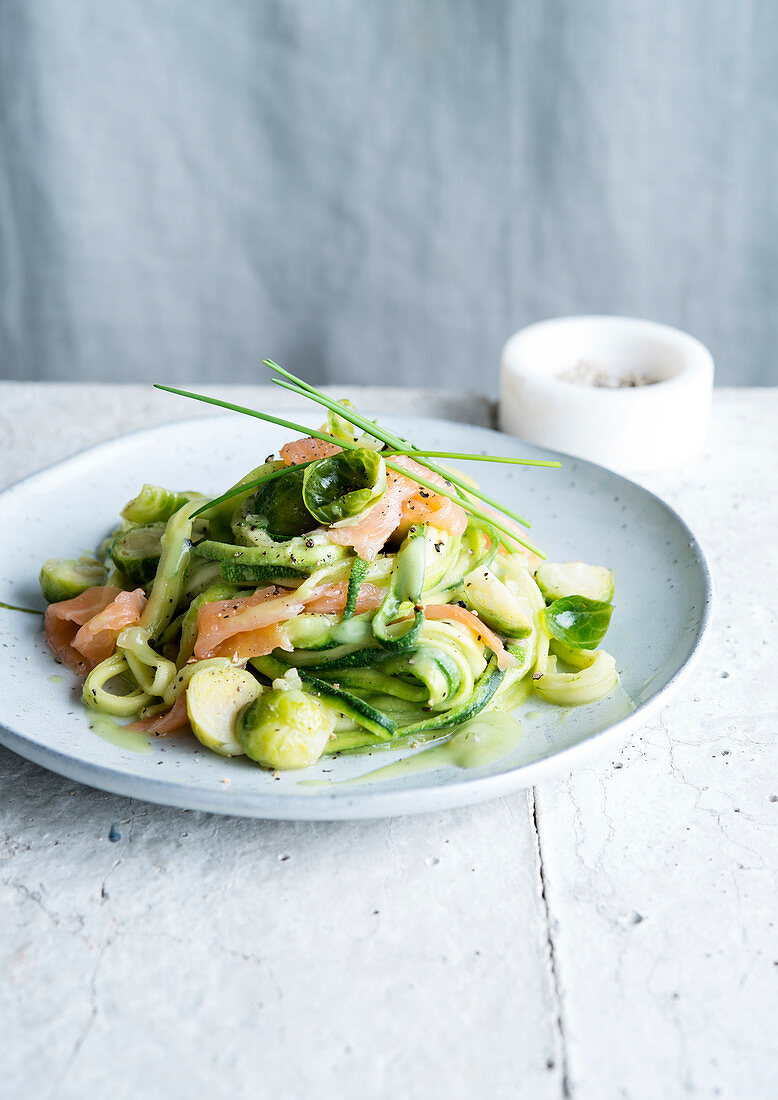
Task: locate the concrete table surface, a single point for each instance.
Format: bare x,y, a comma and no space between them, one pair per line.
611,934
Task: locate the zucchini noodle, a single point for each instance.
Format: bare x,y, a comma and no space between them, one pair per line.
152,672
279,636
97,696
169,582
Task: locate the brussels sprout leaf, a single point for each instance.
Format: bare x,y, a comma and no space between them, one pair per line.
344,484
579,622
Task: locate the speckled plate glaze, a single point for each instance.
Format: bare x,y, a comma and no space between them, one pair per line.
582,512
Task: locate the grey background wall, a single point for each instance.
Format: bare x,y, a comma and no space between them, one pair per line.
380,191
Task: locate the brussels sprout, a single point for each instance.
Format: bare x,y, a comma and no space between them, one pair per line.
65,578
279,508
136,552
103,552
153,504
506,612
574,578
343,485
285,728
578,622
214,698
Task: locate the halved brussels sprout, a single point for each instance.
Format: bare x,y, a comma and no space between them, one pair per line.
214,698
504,611
136,552
153,504
574,578
66,578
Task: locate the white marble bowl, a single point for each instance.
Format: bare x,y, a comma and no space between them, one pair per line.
627,428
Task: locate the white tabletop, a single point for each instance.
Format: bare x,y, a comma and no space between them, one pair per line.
608,935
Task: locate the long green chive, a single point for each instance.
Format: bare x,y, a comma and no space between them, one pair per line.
305,390
247,487
348,445
458,457
14,607
260,416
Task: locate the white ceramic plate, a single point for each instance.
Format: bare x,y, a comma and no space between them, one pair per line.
581,512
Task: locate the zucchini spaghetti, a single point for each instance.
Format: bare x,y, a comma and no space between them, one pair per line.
349,594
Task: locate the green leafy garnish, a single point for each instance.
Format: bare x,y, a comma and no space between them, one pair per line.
578,622
344,484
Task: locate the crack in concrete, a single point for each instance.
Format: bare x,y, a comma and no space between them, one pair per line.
88,1024
556,990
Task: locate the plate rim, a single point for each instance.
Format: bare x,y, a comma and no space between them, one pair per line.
339,804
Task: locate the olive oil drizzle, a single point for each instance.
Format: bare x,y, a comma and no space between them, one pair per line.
483,741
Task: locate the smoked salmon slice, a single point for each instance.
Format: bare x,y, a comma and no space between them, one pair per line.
332,600
173,721
96,639
404,503
253,643
428,507
82,632
307,450
240,629
223,619
459,614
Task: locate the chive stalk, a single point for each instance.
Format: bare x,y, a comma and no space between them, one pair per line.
467,505
463,457
304,389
